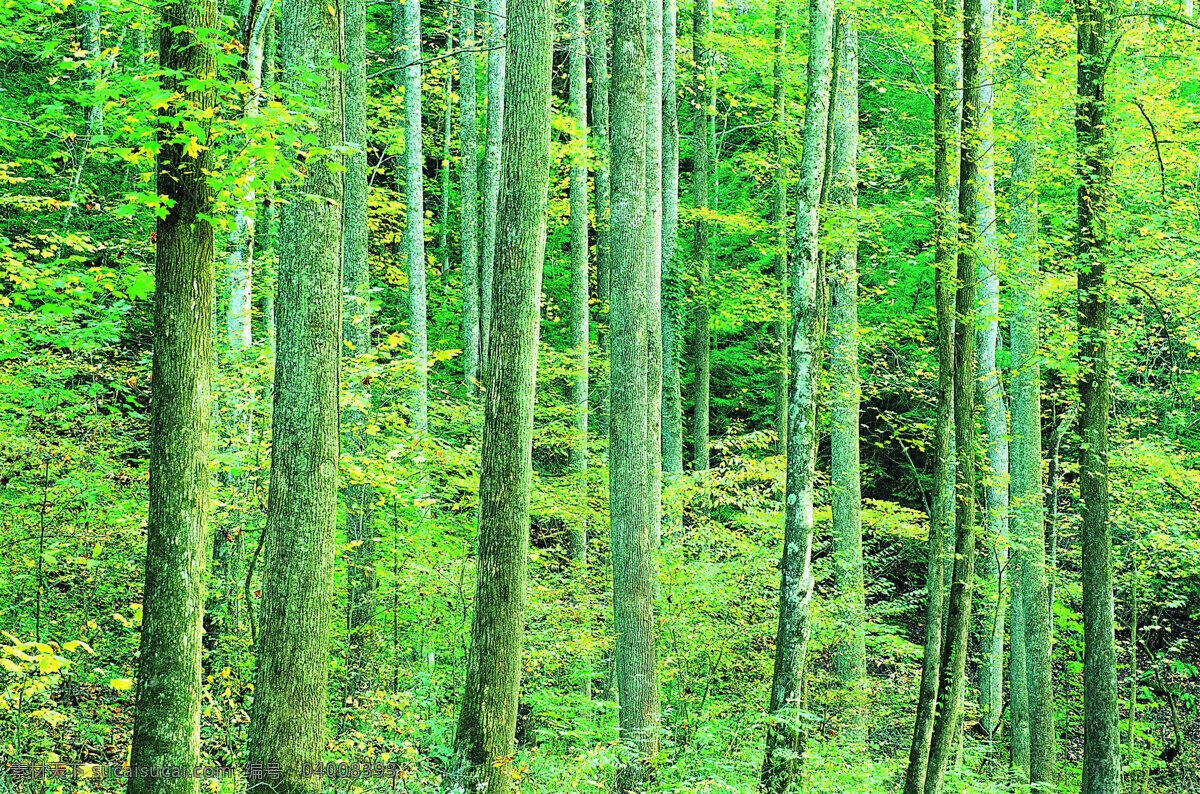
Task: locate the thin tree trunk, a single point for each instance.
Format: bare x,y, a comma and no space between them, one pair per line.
444,175
702,56
91,71
1101,752
947,723
654,270
489,178
414,215
672,403
487,718
784,746
469,188
287,721
991,395
599,53
844,387
166,730
1027,517
945,224
779,219
580,319
629,440
361,581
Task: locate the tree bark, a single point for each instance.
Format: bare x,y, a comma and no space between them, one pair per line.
91,70
702,342
940,518
414,216
287,721
947,723
1027,516
489,177
672,289
598,49
779,219
784,746
991,395
469,188
1101,753
487,718
361,581
580,319
166,729
629,432
654,270
844,386
447,123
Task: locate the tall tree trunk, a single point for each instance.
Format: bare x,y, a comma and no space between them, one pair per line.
844,386
947,723
672,402
469,188
166,730
487,719
702,56
629,439
238,323
945,224
784,745
91,71
991,394
580,319
414,215
779,219
489,177
287,721
601,152
654,270
1026,463
361,580
444,174
1101,753
269,242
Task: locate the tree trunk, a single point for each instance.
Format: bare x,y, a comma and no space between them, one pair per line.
991,395
489,177
1027,517
447,119
629,439
580,319
414,215
779,219
166,729
361,580
91,70
654,246
1101,753
487,719
844,387
940,518
947,723
702,56
287,721
672,288
469,188
784,746
598,47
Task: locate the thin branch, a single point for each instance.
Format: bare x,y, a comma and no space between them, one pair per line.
441,57
32,127
1162,15
1162,169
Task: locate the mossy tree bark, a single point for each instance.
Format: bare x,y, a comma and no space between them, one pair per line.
672,288
468,174
598,52
654,270
579,308
945,224
489,177
1101,752
844,385
947,725
287,721
629,426
414,216
779,218
361,580
487,720
701,341
166,729
784,746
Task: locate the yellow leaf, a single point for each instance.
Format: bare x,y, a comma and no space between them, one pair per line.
193,148
11,666
49,663
73,644
121,684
